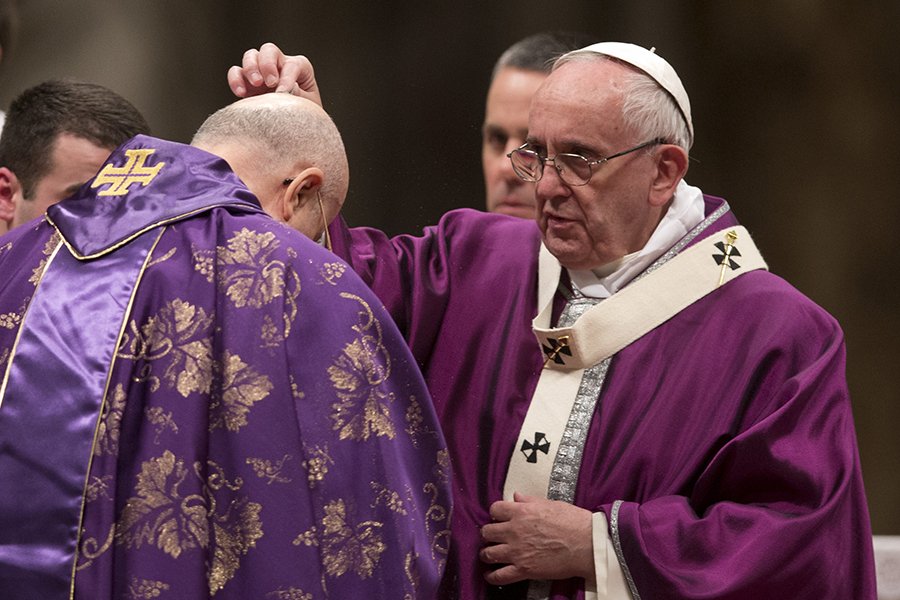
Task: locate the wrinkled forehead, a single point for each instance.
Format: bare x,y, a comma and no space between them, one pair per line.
579,94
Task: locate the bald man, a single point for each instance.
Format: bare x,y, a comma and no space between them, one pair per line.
196,400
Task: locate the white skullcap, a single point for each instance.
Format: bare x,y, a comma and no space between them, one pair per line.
653,65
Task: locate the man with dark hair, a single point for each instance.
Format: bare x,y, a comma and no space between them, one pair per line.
518,73
56,136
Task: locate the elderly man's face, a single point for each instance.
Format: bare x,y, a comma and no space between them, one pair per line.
579,110
505,126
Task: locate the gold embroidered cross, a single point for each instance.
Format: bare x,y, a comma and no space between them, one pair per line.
133,171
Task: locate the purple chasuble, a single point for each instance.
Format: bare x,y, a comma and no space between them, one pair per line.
721,449
260,430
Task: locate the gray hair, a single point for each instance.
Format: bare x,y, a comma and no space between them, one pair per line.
647,109
280,138
539,51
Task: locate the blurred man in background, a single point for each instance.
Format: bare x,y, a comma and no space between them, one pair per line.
518,73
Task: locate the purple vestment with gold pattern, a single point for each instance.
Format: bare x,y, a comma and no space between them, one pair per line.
198,402
721,448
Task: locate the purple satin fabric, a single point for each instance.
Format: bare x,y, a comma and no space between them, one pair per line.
265,432
195,182
727,431
47,424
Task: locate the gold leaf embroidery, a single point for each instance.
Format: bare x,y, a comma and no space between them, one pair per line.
250,277
254,280
242,388
346,548
357,376
181,334
265,469
291,593
145,589
159,515
235,533
110,423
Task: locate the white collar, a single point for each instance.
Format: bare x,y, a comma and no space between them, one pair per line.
685,213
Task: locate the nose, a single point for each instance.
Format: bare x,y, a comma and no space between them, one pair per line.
551,185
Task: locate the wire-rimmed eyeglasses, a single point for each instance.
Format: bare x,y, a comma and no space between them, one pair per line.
573,169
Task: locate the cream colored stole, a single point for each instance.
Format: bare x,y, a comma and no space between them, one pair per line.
649,301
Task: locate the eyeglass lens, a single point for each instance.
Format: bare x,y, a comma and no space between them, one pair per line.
572,168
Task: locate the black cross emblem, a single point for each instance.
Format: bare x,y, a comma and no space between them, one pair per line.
556,348
728,251
541,443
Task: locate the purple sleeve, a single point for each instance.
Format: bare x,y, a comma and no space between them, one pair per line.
779,510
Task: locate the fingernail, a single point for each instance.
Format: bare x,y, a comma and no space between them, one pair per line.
240,90
255,78
271,80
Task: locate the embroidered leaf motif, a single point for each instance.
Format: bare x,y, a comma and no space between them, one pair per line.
242,387
249,275
346,548
180,334
235,533
251,279
357,376
110,423
159,515
195,374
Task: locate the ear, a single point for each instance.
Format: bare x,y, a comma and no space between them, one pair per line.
299,205
10,195
671,165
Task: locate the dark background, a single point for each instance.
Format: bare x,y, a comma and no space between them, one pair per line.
795,107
